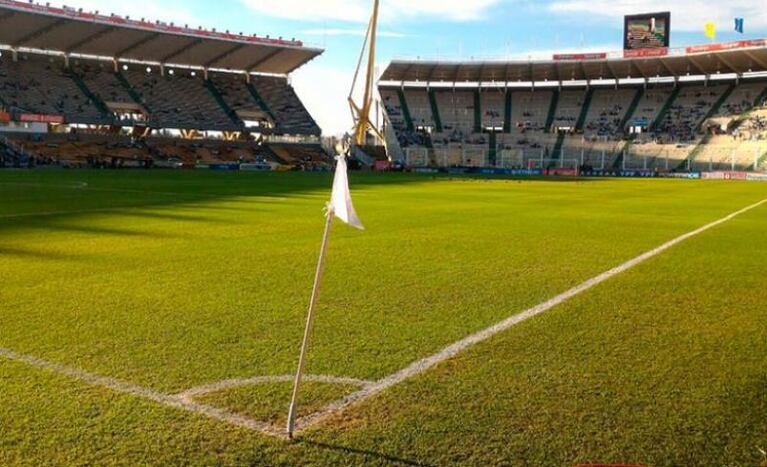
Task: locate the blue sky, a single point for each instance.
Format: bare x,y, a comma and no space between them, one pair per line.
437,28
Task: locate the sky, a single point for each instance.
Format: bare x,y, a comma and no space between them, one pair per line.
446,29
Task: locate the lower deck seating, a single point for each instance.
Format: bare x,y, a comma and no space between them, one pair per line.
40,84
677,141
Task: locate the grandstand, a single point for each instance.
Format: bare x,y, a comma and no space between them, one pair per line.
80,88
697,108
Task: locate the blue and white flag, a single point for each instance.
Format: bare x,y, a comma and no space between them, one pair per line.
739,25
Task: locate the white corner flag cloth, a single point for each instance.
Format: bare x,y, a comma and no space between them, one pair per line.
341,199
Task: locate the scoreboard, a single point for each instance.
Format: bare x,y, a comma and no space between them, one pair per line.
647,31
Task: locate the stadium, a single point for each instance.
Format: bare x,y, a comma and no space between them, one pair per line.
557,261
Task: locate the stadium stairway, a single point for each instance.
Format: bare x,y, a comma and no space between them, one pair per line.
213,90
618,163
762,160
696,151
584,109
552,111
477,112
97,101
260,101
492,154
666,107
405,110
507,113
267,152
435,111
557,152
135,95
717,105
632,109
737,122
761,98
361,155
6,154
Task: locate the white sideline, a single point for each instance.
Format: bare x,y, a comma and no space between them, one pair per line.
450,351
369,389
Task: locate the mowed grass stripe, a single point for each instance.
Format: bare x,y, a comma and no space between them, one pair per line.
133,294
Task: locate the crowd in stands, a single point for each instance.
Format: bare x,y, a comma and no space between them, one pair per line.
659,120
38,84
608,123
682,122
91,92
179,100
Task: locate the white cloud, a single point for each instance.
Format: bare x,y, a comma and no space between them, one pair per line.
350,32
686,15
358,11
326,103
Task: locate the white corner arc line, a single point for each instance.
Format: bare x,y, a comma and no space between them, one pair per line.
452,350
190,394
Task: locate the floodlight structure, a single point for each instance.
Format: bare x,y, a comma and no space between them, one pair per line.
361,113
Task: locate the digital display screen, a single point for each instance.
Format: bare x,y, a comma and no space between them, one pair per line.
648,31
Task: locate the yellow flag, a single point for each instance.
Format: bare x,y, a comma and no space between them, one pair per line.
711,30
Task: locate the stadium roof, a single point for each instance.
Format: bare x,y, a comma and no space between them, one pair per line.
29,25
727,58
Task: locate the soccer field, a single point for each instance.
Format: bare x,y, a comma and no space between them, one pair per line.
156,317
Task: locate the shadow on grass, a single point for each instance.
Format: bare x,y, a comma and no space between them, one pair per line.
362,452
53,200
47,198
12,252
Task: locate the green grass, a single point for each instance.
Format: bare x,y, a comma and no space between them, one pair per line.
175,280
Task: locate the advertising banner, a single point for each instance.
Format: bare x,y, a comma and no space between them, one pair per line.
644,53
561,172
41,118
225,167
256,167
725,175
580,57
699,49
619,173
684,175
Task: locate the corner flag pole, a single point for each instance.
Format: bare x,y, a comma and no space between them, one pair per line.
309,323
340,204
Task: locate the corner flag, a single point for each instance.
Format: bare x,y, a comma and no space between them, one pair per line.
340,206
341,200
